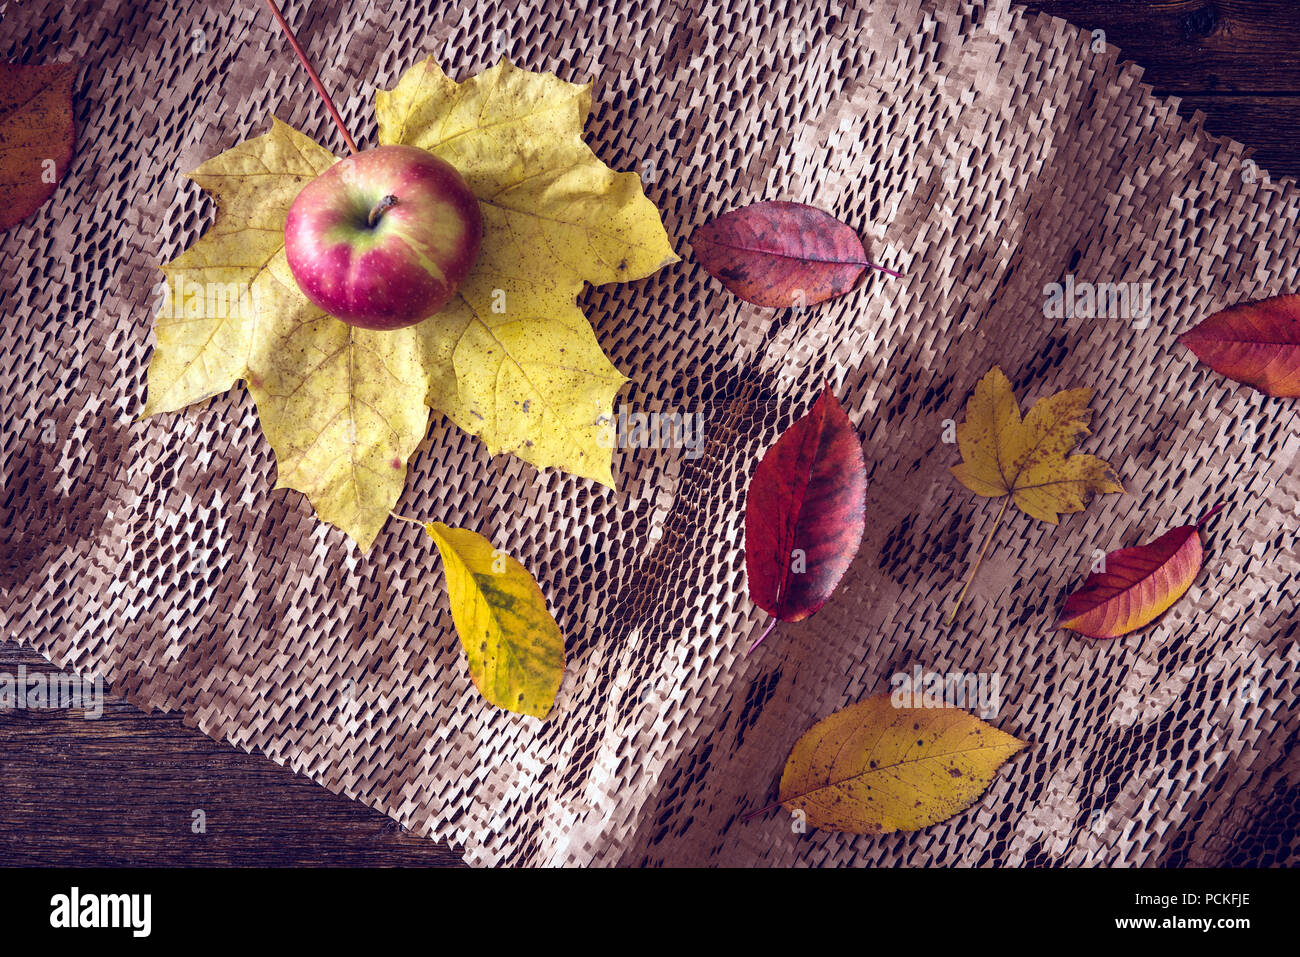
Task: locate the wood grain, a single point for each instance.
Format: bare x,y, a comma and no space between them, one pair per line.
1223,46
1237,61
123,789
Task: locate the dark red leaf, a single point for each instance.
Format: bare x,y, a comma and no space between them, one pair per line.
1257,343
805,513
781,254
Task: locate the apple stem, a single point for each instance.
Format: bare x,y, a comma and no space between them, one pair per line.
388,202
302,55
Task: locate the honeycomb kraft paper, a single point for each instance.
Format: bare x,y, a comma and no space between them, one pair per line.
984,151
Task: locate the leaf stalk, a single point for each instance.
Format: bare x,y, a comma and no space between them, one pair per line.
952,616
1209,515
311,72
767,631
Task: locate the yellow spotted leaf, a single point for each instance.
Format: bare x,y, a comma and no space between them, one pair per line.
515,650
1029,459
874,768
530,377
511,359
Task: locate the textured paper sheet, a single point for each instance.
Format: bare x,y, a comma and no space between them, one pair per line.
983,152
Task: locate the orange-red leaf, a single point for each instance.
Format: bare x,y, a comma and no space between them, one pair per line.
1137,584
804,515
781,254
37,135
1256,343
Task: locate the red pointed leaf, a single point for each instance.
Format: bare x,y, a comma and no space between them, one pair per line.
805,513
781,254
1257,343
1138,585
37,135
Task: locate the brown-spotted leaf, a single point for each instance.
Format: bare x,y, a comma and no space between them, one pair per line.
874,768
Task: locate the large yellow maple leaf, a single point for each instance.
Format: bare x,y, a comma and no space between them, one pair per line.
512,359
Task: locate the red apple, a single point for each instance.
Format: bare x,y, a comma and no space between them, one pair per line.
383,238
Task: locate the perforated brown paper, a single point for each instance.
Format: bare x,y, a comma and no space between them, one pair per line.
983,152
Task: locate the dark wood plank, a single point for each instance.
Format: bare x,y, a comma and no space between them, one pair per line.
123,789
1266,124
1194,46
1237,61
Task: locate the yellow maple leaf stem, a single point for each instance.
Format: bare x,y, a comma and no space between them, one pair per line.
970,577
311,72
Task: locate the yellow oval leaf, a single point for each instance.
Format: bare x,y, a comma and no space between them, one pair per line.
873,768
515,649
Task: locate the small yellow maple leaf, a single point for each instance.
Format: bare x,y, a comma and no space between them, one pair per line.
512,358
1029,459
